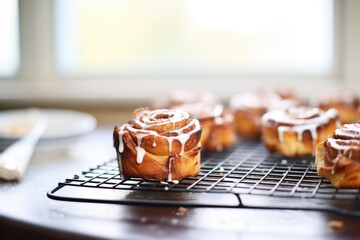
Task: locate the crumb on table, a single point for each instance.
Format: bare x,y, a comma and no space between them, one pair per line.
143,220
336,224
181,211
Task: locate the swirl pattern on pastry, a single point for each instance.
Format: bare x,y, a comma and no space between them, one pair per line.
160,144
338,157
296,131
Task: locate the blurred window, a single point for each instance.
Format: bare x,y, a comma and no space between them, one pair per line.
9,38
195,37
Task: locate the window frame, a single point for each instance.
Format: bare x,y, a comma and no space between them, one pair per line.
37,40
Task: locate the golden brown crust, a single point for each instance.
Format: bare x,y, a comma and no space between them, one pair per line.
346,102
219,132
347,113
338,159
217,124
165,155
248,108
289,138
247,123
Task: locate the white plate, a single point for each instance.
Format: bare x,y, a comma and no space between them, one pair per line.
62,123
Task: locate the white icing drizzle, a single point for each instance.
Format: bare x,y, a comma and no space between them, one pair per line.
302,123
349,144
219,120
151,119
170,141
349,130
170,174
140,154
218,110
172,117
121,142
344,146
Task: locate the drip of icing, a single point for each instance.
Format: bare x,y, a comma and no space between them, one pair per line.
218,120
170,174
175,181
140,151
140,154
170,140
300,125
183,138
218,110
121,142
336,160
281,130
154,142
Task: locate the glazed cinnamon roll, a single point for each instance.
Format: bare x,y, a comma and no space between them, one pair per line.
296,131
346,102
248,108
338,157
159,144
217,125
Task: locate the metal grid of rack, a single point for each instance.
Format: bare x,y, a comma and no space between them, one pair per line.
247,168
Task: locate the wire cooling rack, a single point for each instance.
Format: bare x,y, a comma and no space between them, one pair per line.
246,175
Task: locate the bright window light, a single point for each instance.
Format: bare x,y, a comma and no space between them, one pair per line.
194,37
9,38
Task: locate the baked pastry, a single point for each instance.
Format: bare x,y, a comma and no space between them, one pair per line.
298,130
248,108
217,124
338,157
182,96
160,144
284,91
346,102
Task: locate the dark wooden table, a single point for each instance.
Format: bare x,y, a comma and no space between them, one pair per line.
25,210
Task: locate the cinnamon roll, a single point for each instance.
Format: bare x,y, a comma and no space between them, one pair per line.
338,157
248,108
217,124
182,96
160,144
296,131
346,102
